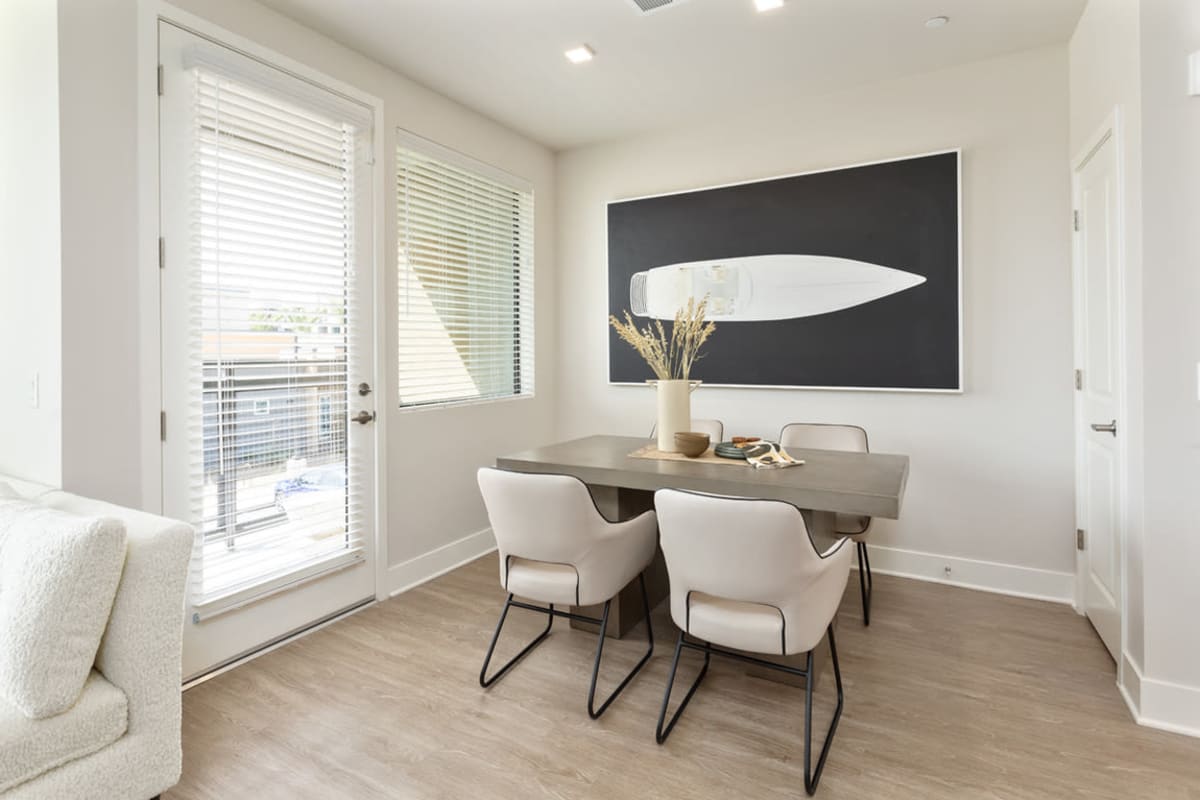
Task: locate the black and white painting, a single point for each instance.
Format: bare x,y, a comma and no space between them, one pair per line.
847,278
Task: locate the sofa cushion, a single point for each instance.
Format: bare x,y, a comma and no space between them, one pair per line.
7,494
58,575
29,747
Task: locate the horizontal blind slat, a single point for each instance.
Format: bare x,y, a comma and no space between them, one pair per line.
209,82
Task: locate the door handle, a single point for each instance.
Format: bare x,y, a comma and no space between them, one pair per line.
1100,427
363,417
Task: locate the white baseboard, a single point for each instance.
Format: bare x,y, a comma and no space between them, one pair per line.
424,568
969,573
1166,706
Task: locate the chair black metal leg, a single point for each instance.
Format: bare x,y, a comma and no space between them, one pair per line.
864,580
867,561
661,734
485,681
594,712
812,778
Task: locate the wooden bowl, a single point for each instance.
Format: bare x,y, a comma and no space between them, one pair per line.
690,443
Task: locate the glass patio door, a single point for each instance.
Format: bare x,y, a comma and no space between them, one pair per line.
269,440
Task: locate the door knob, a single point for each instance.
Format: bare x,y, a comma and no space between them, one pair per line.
1100,427
364,389
363,417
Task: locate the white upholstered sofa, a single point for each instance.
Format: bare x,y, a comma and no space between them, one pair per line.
121,737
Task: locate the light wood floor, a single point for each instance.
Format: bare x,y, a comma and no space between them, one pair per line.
949,694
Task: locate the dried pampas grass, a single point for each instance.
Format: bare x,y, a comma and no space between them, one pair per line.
671,357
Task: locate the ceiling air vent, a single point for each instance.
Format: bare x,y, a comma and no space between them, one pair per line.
648,6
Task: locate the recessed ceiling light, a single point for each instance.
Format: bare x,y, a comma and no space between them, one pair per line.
768,5
578,55
936,22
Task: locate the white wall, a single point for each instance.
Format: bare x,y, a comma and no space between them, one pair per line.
992,472
30,289
1170,31
1106,75
101,383
432,503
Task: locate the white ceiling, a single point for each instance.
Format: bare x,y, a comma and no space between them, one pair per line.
686,62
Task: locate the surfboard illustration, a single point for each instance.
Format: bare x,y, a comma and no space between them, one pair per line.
755,288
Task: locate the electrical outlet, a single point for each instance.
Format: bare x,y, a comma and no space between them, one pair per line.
946,570
35,391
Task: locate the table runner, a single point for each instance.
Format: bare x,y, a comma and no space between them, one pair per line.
652,452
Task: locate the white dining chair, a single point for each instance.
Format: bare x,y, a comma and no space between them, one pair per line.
745,575
556,548
852,438
713,427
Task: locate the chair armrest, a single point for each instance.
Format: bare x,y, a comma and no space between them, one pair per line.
644,524
809,612
620,552
833,548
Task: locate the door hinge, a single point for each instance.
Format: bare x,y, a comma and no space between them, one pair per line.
162,425
1078,379
160,80
1074,215
1079,538
162,253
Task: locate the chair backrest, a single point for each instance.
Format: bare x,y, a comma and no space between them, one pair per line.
822,436
754,551
713,427
819,436
548,518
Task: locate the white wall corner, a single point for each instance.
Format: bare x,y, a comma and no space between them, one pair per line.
437,562
969,573
1171,707
1163,705
1129,683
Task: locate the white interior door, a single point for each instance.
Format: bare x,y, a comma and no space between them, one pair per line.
267,334
1098,380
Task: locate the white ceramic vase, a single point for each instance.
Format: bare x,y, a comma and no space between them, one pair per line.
674,411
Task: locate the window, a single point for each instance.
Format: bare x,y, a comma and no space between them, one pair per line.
465,276
325,415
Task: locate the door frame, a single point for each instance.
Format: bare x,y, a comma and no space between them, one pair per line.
150,394
1110,130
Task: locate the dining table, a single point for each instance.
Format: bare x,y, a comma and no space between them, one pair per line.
623,472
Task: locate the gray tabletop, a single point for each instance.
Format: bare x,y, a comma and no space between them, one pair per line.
870,484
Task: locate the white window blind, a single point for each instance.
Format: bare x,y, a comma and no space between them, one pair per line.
274,205
465,275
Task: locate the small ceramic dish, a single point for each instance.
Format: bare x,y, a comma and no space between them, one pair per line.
690,443
729,450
